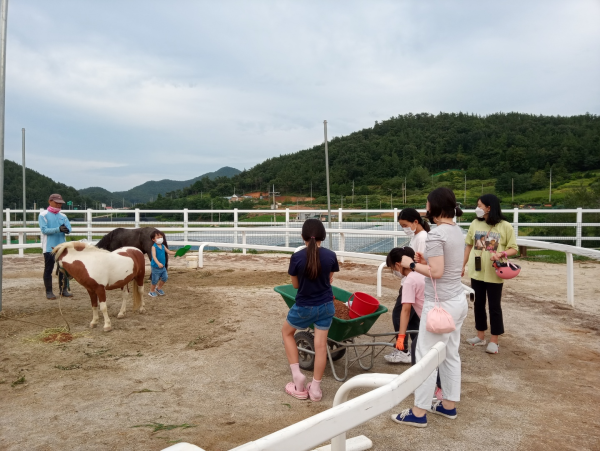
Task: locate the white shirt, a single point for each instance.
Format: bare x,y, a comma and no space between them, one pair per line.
418,241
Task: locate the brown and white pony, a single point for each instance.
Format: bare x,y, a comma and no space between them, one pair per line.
98,270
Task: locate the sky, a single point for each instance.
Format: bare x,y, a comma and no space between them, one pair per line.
114,93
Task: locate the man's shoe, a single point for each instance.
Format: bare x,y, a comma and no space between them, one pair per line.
66,294
397,356
409,418
438,408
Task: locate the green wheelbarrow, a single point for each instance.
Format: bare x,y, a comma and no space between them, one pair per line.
341,337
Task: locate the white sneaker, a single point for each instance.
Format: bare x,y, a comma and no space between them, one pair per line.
476,341
397,356
492,348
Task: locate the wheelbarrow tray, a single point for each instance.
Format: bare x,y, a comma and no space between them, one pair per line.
340,329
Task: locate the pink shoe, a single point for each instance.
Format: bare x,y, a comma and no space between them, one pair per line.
290,389
315,398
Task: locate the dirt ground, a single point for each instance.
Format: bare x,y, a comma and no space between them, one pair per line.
206,365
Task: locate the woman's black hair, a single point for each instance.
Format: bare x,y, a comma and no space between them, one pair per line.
396,254
313,231
412,215
495,215
442,204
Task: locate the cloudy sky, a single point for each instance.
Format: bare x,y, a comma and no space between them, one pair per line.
114,93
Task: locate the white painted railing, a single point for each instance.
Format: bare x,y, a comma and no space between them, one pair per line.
389,390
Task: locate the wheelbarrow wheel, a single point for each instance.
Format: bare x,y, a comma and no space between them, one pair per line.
307,341
337,352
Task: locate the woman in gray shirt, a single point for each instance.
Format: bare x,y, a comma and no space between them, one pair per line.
442,262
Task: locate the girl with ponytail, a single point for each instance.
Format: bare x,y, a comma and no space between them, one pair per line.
311,270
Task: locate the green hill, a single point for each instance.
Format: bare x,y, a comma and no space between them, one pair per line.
39,188
150,190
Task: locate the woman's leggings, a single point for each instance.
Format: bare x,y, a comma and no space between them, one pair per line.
449,369
494,296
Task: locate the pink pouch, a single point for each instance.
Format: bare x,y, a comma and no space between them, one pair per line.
439,321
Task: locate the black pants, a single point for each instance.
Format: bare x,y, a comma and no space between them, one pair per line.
493,291
413,320
49,264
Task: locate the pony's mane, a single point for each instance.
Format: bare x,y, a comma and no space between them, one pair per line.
58,250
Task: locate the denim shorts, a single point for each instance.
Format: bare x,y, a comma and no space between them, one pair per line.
319,315
158,274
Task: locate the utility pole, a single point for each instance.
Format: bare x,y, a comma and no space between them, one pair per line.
405,195
3,15
327,180
513,189
367,209
24,186
550,190
391,200
352,192
311,193
465,203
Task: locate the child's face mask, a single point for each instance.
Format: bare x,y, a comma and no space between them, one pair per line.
159,241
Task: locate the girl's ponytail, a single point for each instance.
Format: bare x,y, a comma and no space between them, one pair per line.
412,215
313,231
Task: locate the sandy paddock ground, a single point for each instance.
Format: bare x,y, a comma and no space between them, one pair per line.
208,356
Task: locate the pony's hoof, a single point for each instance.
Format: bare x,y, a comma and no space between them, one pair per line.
107,328
142,310
92,325
121,315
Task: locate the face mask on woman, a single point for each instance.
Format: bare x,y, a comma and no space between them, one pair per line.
409,232
479,212
159,241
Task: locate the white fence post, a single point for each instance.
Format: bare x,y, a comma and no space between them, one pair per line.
287,224
516,221
137,218
340,226
185,224
21,250
244,240
7,226
578,227
342,245
235,225
570,281
395,226
88,219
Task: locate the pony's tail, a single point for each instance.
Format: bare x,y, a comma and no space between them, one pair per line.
137,296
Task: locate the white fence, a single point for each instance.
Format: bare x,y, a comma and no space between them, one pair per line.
341,218
389,390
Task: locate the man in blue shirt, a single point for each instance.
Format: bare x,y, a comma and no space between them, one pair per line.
54,225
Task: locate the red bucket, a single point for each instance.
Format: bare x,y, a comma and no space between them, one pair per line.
363,304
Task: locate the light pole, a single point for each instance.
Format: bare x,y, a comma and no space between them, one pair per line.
24,185
327,180
3,15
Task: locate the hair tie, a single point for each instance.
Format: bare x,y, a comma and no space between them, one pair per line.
312,237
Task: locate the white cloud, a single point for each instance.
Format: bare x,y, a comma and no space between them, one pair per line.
209,84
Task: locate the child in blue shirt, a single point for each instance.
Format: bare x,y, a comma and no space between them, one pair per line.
157,265
311,270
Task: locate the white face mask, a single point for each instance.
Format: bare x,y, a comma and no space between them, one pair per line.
479,212
399,275
159,241
409,231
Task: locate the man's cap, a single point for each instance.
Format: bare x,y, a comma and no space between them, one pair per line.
56,198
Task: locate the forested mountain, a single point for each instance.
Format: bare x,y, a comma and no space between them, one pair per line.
151,189
419,145
39,188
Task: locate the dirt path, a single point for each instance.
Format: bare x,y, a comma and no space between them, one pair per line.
208,358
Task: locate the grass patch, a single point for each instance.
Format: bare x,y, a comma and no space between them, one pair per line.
549,256
156,427
55,335
19,381
196,340
68,367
